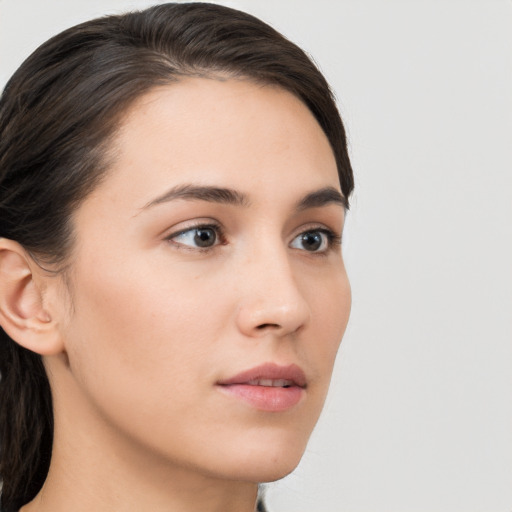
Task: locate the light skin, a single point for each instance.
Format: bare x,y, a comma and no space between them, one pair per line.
146,323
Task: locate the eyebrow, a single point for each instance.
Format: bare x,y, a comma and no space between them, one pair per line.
322,197
316,199
202,193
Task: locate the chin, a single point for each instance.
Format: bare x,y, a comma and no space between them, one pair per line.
265,452
276,471
264,471
267,464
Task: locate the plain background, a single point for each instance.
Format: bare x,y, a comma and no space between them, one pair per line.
419,417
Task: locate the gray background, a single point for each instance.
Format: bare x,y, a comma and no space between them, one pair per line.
419,417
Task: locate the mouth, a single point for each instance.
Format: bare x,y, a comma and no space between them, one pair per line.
269,387
278,383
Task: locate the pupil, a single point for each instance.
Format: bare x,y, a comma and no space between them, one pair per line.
204,237
311,241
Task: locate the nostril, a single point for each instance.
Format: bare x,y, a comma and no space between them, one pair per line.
265,326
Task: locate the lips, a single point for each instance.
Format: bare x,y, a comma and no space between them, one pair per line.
292,374
268,387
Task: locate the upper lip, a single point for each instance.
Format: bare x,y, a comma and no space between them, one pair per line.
269,371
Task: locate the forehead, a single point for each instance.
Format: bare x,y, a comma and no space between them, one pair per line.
230,132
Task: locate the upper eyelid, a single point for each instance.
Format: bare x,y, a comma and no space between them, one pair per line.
219,228
169,233
220,238
316,226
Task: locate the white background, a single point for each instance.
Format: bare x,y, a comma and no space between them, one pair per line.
420,412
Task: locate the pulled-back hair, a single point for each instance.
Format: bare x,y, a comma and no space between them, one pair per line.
58,114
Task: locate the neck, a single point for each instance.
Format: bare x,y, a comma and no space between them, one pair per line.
95,467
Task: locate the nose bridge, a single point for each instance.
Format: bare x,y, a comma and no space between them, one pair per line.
271,299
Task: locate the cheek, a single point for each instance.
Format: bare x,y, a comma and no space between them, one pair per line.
137,334
330,300
331,304
140,351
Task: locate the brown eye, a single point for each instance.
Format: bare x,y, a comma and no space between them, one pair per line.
311,241
316,240
201,237
204,237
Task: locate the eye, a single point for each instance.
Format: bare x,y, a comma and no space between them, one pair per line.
202,237
314,240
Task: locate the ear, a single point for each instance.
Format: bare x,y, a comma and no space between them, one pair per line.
22,313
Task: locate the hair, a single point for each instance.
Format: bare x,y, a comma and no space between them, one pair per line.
58,113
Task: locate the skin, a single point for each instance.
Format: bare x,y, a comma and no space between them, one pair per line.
146,323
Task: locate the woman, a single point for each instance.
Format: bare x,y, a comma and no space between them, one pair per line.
173,184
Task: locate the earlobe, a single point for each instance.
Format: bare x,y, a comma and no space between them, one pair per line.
22,312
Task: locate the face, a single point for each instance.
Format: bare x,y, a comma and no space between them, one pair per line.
208,287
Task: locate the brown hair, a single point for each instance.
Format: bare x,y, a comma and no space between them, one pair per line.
57,115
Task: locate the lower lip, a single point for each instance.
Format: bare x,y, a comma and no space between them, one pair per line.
266,398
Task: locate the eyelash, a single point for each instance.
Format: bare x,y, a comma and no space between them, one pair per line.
333,240
219,232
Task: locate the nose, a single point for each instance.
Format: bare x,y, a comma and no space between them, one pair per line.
271,301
